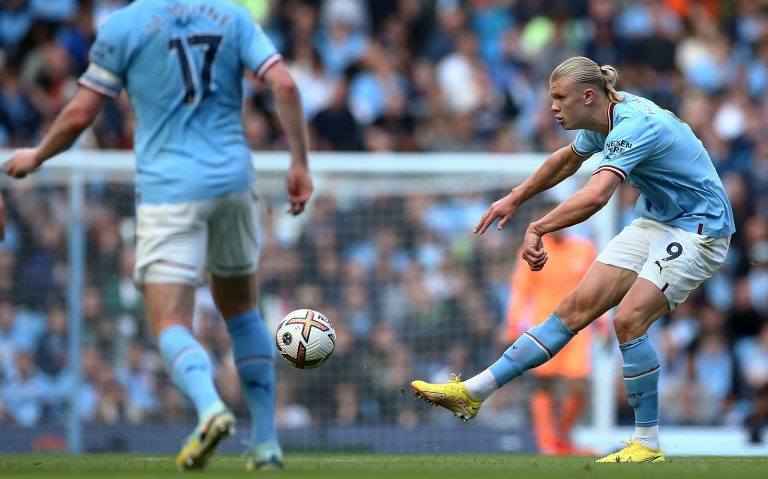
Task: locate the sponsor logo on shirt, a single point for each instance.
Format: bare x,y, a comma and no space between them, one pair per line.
617,147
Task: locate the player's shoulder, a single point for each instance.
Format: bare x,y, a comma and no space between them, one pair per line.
636,114
632,107
118,18
124,18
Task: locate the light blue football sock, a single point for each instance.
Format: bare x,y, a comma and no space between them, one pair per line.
641,379
190,368
535,347
253,348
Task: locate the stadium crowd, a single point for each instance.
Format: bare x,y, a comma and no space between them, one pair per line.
409,293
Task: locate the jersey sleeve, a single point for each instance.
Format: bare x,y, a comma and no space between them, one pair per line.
587,143
628,144
257,51
107,59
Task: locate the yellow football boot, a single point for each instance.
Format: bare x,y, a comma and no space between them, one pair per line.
634,452
201,443
452,395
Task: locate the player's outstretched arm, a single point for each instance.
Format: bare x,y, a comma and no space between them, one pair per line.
291,114
76,116
559,166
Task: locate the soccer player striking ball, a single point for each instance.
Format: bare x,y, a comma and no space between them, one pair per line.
680,239
182,64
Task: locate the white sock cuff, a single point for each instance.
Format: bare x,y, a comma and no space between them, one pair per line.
481,386
647,436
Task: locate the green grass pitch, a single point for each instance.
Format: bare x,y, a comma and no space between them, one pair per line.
361,466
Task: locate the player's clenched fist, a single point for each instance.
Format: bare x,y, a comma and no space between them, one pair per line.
533,250
299,184
22,162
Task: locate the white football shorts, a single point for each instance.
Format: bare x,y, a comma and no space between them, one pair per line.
177,242
673,259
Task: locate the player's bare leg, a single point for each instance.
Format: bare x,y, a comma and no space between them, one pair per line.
254,354
235,295
168,304
601,288
169,309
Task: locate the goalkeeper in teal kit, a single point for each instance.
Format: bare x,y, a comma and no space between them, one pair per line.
182,65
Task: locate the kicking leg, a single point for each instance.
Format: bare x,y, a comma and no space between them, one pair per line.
601,289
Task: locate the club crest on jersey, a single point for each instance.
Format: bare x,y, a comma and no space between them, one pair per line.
617,147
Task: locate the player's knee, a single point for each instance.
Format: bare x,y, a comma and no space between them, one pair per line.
628,326
231,308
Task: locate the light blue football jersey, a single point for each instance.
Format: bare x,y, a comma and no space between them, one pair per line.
182,64
660,156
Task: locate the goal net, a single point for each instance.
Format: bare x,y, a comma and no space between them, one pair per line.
385,250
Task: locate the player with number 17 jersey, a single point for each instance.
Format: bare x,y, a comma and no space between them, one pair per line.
198,212
182,65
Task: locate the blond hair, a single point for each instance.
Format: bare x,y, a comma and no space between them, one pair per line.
584,70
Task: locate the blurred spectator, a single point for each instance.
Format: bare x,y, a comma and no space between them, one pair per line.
700,367
334,127
757,278
52,347
138,378
20,120
342,40
85,398
744,321
757,420
9,340
754,360
311,76
26,390
457,74
16,18
172,407
111,405
290,413
550,37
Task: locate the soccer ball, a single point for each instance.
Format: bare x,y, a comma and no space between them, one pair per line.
305,338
